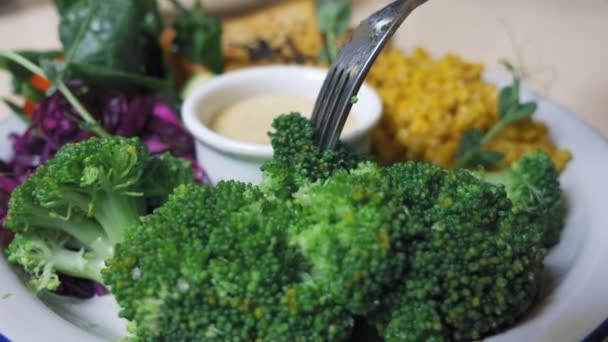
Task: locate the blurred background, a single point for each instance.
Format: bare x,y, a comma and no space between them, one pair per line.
562,44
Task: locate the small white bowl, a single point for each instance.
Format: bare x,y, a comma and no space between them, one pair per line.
224,158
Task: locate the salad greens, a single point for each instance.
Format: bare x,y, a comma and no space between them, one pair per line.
334,17
510,110
22,77
54,71
109,78
199,37
115,45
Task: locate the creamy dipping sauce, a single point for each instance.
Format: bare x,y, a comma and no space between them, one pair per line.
249,120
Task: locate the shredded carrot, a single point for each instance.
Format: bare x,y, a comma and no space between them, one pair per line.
40,82
28,108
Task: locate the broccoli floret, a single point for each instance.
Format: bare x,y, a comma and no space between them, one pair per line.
416,321
297,161
477,266
350,229
214,264
532,184
80,203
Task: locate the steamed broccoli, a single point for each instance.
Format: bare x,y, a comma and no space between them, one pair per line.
533,187
350,229
297,161
69,215
475,269
421,252
416,321
215,265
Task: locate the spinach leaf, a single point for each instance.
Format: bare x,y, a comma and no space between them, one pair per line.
151,27
149,11
114,43
103,33
63,5
116,79
199,38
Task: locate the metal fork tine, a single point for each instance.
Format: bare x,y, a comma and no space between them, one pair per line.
319,109
325,114
352,65
340,113
344,89
332,135
334,103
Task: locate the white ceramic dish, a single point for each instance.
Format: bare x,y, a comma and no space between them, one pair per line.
225,158
574,303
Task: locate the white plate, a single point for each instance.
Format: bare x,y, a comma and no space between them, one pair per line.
576,295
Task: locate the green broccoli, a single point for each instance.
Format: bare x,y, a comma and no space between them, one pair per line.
533,187
297,161
421,252
214,264
476,268
69,215
350,228
416,321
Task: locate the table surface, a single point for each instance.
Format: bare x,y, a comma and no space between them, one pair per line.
563,44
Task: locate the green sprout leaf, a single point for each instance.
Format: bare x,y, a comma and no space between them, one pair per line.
508,98
486,159
507,65
334,15
470,151
522,111
470,143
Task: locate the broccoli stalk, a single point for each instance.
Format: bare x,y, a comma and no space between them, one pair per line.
88,233
70,214
45,257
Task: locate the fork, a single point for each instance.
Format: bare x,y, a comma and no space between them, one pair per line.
348,71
